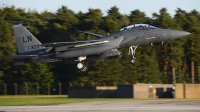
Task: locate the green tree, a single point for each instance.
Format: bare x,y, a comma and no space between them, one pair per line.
6,41
153,64
137,17
171,58
193,27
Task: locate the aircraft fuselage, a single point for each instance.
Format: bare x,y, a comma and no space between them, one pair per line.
31,50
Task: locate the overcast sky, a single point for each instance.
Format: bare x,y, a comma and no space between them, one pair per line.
125,6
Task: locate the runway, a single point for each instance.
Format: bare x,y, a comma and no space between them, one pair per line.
168,105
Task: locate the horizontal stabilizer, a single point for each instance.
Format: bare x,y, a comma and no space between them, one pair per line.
21,56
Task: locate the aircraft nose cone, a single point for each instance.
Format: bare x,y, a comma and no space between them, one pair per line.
178,34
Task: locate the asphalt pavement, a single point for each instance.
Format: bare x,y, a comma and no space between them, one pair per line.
168,105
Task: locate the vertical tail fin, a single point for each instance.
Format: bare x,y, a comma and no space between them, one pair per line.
25,40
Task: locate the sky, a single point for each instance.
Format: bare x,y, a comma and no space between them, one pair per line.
125,6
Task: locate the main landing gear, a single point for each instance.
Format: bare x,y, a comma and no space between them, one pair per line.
132,52
81,66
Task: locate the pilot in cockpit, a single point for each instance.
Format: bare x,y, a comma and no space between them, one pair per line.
141,27
125,29
145,28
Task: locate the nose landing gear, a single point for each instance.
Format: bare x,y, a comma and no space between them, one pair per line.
81,66
132,52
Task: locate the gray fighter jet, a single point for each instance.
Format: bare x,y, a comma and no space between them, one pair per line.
31,50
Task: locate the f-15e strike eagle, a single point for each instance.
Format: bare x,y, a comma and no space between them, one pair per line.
32,50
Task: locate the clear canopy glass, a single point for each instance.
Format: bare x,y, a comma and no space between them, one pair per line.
138,26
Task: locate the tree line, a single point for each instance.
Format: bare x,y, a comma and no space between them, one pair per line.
154,64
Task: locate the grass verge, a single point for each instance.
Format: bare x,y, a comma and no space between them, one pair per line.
45,100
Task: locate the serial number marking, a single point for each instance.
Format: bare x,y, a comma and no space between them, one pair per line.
33,47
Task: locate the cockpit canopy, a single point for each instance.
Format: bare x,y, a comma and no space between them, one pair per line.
139,27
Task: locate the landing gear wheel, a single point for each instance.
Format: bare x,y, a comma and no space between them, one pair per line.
132,61
82,67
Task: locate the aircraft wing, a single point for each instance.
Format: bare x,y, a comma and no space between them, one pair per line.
75,44
21,56
93,34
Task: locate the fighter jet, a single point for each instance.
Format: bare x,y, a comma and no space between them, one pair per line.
31,50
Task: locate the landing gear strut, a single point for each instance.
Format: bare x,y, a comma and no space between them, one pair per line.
81,66
132,51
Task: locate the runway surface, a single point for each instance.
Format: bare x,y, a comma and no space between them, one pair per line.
168,105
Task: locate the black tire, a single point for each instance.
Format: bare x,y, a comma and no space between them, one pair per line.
85,68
